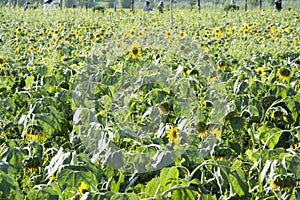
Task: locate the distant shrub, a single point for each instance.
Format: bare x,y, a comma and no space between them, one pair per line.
231,7
99,8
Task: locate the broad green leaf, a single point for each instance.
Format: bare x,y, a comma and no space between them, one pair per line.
293,104
9,187
115,185
152,186
168,174
269,136
294,165
126,196
238,123
70,180
7,168
239,186
236,164
15,156
51,191
253,154
240,86
29,81
209,197
185,194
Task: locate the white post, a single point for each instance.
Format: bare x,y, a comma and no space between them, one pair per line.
215,5
171,15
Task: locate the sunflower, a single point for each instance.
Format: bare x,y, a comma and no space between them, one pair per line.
182,34
135,51
83,188
18,30
228,31
217,31
31,48
284,74
260,70
222,65
245,32
172,134
132,33
207,32
141,33
168,34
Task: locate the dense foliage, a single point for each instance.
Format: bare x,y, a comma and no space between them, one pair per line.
219,92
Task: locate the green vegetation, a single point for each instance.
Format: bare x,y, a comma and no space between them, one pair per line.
218,91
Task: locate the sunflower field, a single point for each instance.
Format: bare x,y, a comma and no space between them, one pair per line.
131,105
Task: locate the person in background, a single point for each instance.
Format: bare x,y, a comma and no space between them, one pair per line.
49,4
26,5
147,6
160,6
278,5
73,8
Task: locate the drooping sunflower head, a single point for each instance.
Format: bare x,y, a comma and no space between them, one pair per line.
135,51
1,60
284,74
172,134
283,182
202,132
222,65
83,188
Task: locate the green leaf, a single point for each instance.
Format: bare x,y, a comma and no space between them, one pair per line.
240,86
185,194
69,180
152,186
238,123
9,187
293,104
29,81
15,156
167,175
269,136
7,168
115,186
51,191
239,186
126,196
